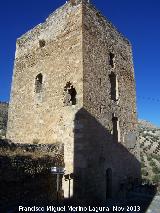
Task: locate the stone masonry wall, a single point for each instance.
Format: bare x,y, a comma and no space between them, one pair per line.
3,117
95,148
45,118
100,38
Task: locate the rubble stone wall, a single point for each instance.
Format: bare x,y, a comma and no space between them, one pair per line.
3,117
96,151
43,117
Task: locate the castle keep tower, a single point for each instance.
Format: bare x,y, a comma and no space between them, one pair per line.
74,84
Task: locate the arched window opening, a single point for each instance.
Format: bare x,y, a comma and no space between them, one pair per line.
111,59
114,86
116,129
38,83
69,95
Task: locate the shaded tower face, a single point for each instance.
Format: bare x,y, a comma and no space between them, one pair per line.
73,83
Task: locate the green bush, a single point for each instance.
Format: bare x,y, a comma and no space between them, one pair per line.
149,158
144,172
2,132
152,163
157,157
156,178
156,170
142,164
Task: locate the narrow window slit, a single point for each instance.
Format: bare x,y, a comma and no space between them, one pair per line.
111,59
116,130
38,83
114,86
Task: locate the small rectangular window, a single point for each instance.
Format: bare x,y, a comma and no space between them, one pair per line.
114,86
38,83
111,59
116,129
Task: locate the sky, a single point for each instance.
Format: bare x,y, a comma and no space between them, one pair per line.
138,20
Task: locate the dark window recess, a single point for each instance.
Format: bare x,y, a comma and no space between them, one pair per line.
111,59
69,95
115,128
42,43
113,83
38,83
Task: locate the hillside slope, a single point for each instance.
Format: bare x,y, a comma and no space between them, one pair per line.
149,138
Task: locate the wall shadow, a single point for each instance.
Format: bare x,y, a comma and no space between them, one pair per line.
103,168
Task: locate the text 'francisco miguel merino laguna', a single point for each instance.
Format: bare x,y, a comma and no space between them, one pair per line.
63,209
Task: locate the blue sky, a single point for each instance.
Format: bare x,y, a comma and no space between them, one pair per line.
138,20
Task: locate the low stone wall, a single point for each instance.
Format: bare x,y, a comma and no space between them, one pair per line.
25,174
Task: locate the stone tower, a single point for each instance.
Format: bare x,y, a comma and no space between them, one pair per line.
74,84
